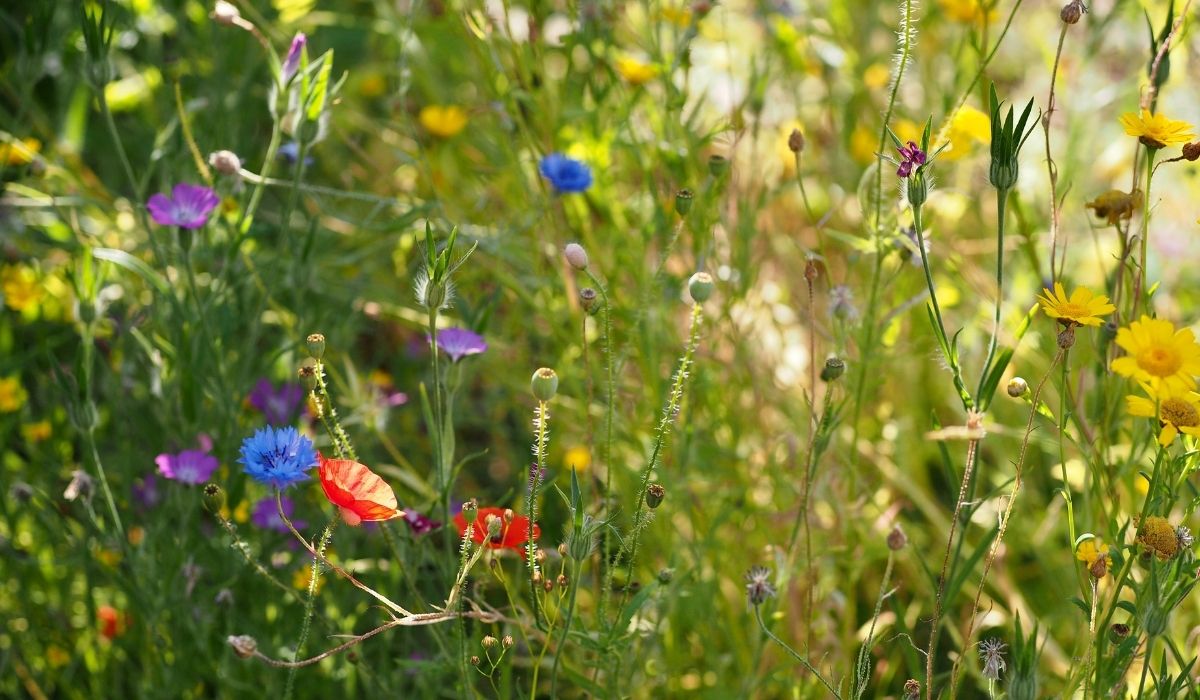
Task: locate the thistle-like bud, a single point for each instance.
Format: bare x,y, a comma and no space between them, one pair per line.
493,526
912,689
316,346
474,660
225,162
544,384
683,201
562,580
1072,11
576,256
655,493
1017,387
489,641
243,645
507,641
308,373
508,516
718,165
588,300
213,497
834,367
896,539
470,510
547,585
700,287
796,141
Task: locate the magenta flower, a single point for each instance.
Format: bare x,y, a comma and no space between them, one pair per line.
291,64
912,155
188,206
460,342
189,466
420,524
279,404
145,492
266,515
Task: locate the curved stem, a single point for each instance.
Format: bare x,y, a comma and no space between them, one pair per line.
795,654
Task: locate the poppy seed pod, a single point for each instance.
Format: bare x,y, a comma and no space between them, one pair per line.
834,367
544,384
718,165
655,493
308,373
214,497
683,202
470,510
700,287
316,345
587,299
576,256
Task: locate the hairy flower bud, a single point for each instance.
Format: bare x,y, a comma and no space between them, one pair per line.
243,645
225,162
576,256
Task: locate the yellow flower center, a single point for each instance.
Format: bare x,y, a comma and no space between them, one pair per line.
1157,535
1179,413
1160,361
1069,310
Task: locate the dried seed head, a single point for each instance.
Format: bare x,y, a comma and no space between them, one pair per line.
991,652
1118,632
1156,534
758,585
243,645
562,580
474,660
1072,11
547,585
1099,568
896,539
587,299
1067,337
796,141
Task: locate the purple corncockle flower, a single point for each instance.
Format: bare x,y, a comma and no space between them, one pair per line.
420,524
189,466
278,404
266,515
291,64
460,342
188,206
145,492
913,156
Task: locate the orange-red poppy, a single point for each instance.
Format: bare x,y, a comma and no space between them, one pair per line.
357,491
513,535
112,622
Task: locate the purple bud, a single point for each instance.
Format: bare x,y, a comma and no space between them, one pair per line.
292,63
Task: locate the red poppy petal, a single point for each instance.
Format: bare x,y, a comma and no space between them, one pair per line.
349,484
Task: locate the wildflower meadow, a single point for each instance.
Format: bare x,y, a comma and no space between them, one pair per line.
599,349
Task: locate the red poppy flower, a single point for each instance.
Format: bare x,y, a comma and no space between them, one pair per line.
512,535
357,491
112,623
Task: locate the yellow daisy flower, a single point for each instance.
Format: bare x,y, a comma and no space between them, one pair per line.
1158,535
20,287
968,11
968,127
1157,353
1094,555
19,152
1177,408
577,457
12,394
1081,308
635,72
443,121
1155,130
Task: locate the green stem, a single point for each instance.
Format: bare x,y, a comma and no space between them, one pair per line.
309,604
573,582
1001,203
794,654
864,653
1142,243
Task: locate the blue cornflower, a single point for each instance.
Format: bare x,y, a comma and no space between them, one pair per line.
277,457
565,174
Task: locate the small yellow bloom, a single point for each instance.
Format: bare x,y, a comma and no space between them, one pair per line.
1115,205
578,457
877,75
1177,408
1090,550
303,576
968,11
56,656
635,72
1155,130
1082,307
1157,353
443,121
37,432
19,152
20,287
968,127
110,557
12,394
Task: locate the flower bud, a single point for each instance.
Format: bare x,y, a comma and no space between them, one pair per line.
562,580
509,515
896,539
544,384
470,510
489,641
796,141
912,689
718,165
1191,151
316,346
243,645
562,549
576,256
225,13
683,201
213,497
588,300
493,526
655,493
540,556
834,367
665,576
1099,568
700,287
507,641
474,660
1017,387
811,270
547,585
225,162
308,373
1072,11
